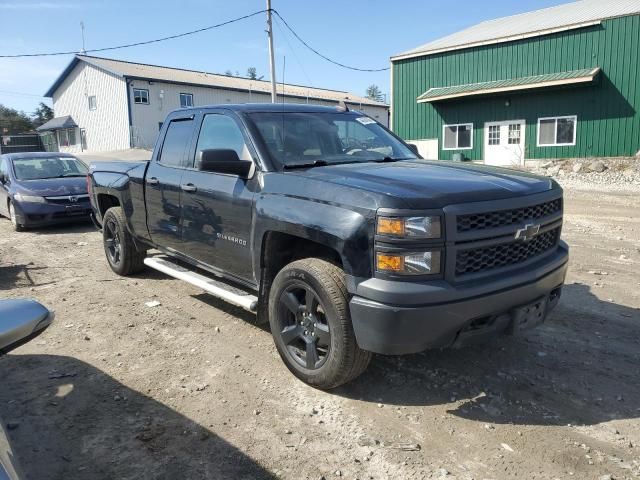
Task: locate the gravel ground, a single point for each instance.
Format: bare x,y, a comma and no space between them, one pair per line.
192,389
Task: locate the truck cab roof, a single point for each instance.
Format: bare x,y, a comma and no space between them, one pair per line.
270,107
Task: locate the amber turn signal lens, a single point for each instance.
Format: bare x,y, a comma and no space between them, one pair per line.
390,226
389,263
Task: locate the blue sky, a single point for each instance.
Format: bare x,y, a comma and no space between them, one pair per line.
357,32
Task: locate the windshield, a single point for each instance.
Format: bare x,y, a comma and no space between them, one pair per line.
40,168
308,139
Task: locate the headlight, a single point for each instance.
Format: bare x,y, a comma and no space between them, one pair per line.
29,198
409,227
415,263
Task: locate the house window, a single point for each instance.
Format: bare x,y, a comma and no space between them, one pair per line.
556,131
141,96
92,102
514,134
67,137
458,137
494,134
186,100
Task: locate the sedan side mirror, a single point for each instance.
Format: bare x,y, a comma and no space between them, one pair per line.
3,178
20,322
223,160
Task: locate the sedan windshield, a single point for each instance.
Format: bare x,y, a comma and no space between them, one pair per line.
40,168
313,139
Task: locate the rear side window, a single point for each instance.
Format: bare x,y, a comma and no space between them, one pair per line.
176,142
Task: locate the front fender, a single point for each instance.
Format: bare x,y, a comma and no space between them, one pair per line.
345,230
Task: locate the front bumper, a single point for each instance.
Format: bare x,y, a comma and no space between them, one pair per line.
40,214
396,318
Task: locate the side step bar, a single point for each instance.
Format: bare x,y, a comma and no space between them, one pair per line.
248,302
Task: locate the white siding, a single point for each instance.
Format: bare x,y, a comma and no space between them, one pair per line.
107,127
146,118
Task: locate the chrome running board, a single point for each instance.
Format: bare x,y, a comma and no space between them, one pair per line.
246,301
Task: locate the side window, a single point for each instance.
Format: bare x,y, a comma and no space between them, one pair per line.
176,142
220,131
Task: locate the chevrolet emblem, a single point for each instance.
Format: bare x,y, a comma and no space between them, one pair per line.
527,233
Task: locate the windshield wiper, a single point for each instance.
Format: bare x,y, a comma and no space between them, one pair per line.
315,163
391,159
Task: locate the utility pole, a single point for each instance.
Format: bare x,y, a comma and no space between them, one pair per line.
272,62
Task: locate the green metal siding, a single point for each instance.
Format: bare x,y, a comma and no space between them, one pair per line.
608,117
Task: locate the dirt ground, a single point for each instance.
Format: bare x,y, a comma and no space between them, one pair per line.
191,389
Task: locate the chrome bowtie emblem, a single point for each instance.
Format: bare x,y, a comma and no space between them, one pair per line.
73,199
527,233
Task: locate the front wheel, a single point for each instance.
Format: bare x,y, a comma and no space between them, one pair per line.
311,325
14,218
123,256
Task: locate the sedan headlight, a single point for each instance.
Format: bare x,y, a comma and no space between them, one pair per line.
415,263
29,198
409,227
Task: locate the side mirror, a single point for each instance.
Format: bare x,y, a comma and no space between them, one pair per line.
3,178
414,148
223,160
20,322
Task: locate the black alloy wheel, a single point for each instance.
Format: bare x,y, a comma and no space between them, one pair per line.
305,330
112,242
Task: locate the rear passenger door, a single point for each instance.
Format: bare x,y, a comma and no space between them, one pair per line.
217,209
163,181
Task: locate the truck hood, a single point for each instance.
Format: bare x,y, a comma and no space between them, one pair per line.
425,184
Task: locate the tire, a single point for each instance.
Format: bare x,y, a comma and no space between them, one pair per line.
14,220
121,252
315,290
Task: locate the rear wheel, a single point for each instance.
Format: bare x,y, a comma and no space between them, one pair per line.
14,219
123,256
311,326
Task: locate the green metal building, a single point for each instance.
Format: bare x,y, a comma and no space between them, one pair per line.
555,83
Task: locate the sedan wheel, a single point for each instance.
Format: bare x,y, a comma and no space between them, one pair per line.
14,219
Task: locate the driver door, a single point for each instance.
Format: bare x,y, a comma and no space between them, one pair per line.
217,208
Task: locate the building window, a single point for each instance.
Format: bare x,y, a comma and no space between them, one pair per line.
494,134
458,137
67,137
514,134
141,96
557,131
186,100
92,102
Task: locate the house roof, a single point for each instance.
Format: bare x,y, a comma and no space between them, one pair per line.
564,17
192,77
58,123
509,85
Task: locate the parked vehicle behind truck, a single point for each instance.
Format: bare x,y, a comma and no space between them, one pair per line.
334,231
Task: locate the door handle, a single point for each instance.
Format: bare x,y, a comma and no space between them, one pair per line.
153,181
189,187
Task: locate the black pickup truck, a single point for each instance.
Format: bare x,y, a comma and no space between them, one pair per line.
336,232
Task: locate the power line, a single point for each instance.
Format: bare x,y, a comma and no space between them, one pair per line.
200,30
324,56
147,42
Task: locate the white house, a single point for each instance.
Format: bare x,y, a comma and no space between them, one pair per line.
102,104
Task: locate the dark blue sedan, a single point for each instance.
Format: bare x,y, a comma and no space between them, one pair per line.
38,189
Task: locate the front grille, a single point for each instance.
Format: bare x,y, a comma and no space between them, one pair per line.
503,218
482,259
80,199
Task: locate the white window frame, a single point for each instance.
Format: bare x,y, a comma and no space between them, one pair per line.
444,127
95,103
556,144
187,95
142,90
